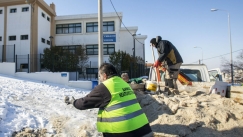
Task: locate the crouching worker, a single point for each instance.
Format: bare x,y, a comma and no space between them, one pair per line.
120,114
125,77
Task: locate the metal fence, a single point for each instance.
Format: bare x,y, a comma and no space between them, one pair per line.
10,53
23,63
1,53
136,70
7,53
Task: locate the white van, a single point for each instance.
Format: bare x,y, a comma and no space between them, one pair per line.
196,73
216,75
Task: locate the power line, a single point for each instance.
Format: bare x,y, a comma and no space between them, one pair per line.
123,23
218,56
142,43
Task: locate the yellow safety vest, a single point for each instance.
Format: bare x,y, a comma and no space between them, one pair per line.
123,113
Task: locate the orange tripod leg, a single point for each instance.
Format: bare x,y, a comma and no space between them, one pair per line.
158,74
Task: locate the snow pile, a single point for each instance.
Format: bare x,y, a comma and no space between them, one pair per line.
3,108
31,108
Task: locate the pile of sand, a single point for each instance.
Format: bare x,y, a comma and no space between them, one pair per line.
194,113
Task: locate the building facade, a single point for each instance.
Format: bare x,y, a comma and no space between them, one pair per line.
82,30
27,27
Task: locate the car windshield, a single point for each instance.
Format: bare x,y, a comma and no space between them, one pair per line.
194,75
214,76
144,77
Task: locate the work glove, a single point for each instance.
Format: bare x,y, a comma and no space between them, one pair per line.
163,69
157,63
68,101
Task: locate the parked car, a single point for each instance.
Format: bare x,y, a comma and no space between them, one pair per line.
143,77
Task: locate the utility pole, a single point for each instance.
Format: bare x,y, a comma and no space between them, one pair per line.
230,42
100,29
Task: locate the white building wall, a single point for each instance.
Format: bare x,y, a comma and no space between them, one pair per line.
84,38
44,30
18,24
7,68
139,45
1,27
127,40
124,40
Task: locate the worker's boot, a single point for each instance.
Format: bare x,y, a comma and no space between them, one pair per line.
170,86
166,87
166,90
175,89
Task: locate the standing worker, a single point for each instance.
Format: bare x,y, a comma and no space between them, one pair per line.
120,114
172,60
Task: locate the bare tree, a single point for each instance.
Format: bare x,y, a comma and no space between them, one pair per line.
237,65
125,62
225,65
83,59
121,60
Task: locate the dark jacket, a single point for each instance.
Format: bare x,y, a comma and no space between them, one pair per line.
99,97
168,52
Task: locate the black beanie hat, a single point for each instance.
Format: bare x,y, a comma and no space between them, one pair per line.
153,41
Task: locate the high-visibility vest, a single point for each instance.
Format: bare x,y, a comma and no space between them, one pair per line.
123,113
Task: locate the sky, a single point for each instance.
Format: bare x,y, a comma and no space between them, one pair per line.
185,23
28,103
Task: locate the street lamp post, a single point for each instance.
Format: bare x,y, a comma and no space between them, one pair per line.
231,59
134,45
133,35
202,53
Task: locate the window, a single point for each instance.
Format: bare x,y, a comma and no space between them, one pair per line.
68,28
0,38
43,40
13,10
12,38
92,27
24,37
25,9
92,49
91,70
214,75
71,49
108,49
1,11
48,18
47,42
43,14
108,26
